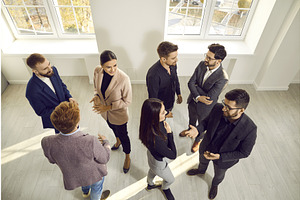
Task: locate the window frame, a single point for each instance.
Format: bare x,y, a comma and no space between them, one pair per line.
208,10
54,22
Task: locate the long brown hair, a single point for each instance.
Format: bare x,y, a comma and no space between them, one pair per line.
149,123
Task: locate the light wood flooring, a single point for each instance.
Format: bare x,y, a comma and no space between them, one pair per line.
271,172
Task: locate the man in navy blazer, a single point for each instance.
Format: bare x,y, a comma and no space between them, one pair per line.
230,135
45,89
205,85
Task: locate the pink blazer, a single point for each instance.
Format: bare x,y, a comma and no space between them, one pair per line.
118,94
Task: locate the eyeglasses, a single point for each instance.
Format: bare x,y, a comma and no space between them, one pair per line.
208,58
227,107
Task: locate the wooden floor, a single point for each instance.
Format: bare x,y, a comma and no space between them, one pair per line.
271,172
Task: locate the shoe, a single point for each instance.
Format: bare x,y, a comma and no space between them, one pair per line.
150,187
168,194
86,195
124,169
169,115
213,192
105,194
114,147
182,133
193,172
195,146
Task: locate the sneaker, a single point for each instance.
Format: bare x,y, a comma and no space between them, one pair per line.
86,195
105,194
168,194
150,187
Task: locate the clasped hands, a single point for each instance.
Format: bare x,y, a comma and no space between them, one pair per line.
98,107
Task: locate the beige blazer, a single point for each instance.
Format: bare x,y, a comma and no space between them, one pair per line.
118,94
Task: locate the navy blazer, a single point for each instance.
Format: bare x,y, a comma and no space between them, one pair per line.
212,87
237,145
42,99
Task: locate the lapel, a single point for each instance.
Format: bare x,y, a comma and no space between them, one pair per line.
237,132
213,76
202,72
45,88
113,84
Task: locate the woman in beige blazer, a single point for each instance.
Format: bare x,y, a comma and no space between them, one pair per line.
113,94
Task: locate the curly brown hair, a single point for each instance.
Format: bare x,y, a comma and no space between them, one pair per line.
65,117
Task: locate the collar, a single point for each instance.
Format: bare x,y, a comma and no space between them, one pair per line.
70,133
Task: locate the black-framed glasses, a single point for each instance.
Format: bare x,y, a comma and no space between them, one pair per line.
227,107
208,58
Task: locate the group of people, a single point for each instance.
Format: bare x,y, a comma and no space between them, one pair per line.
223,133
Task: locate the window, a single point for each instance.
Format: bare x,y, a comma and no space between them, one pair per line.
49,18
209,19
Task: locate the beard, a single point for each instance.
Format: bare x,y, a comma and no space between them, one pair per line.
208,65
230,116
48,75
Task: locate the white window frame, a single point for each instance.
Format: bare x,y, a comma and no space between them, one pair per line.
53,20
207,19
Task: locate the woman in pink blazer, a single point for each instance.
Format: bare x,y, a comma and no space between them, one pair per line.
113,94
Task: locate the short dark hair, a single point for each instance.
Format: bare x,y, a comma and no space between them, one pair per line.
34,59
65,116
218,50
149,122
165,48
106,56
240,96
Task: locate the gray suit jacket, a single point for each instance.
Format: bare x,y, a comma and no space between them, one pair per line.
212,87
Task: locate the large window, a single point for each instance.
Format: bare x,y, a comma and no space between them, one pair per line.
49,18
208,19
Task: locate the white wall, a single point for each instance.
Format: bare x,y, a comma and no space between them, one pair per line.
133,29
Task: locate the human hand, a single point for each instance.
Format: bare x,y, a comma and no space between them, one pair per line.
101,108
179,99
204,99
96,100
101,137
72,100
192,133
167,127
211,156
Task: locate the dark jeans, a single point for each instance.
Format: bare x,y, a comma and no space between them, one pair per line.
219,173
121,132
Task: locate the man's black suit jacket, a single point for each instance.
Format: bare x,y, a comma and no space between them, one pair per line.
238,144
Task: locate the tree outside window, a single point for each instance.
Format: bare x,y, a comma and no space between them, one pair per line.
209,18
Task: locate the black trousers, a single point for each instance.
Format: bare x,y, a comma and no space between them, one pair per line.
121,132
219,173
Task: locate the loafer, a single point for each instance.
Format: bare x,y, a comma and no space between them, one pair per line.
168,194
105,194
195,147
182,133
213,192
150,187
193,172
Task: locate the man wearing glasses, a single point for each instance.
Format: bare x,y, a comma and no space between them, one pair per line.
205,85
230,136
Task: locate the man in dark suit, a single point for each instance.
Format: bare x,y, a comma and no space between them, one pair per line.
230,135
162,80
45,90
205,85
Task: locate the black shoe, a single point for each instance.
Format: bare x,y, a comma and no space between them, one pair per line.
193,172
105,194
213,192
114,147
150,187
126,170
168,194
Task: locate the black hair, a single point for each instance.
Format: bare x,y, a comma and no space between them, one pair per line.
240,96
218,50
106,56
